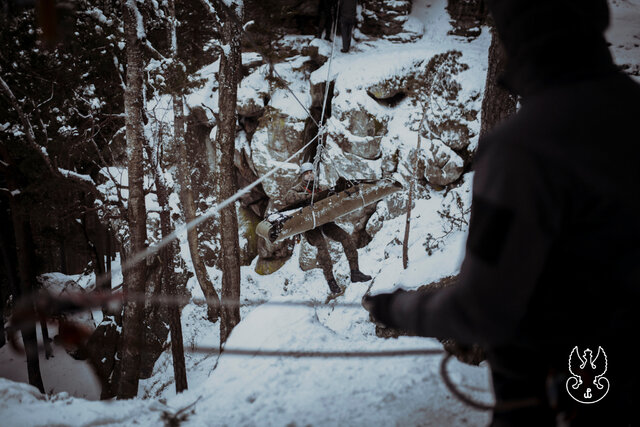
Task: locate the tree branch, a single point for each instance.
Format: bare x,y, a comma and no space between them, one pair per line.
31,141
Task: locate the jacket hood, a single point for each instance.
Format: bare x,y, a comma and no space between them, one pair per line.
551,42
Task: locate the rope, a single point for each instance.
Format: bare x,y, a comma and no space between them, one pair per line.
322,127
456,392
48,306
333,42
318,354
136,258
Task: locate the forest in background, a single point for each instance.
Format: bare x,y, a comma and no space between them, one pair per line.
78,80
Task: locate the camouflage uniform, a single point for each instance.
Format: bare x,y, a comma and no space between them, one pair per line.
302,191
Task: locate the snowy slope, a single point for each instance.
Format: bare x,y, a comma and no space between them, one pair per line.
251,390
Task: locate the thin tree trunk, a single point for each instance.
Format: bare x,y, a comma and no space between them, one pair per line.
188,208
407,225
9,265
24,249
134,277
168,279
24,266
497,104
3,298
3,339
229,74
48,351
186,187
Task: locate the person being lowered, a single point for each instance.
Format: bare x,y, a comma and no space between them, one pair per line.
302,192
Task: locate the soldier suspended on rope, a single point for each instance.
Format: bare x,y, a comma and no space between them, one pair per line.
304,191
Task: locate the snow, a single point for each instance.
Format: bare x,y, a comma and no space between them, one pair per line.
73,174
99,16
60,374
255,390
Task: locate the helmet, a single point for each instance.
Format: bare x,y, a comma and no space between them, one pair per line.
306,167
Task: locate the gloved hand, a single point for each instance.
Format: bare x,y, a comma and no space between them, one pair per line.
380,307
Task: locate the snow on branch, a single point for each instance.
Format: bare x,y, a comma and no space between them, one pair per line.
26,124
212,10
72,174
85,181
140,32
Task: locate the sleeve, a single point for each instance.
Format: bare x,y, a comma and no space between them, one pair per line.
295,196
514,219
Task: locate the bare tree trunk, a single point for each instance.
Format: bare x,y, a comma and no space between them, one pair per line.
8,285
3,298
186,187
3,339
134,277
188,208
497,103
168,278
24,266
24,249
407,225
229,74
48,351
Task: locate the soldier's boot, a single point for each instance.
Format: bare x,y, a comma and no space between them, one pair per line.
333,286
359,276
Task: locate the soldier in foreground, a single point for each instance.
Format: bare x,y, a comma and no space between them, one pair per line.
552,254
303,191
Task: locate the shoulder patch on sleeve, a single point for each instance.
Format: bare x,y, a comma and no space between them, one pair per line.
488,230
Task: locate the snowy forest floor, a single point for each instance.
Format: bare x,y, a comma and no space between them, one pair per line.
252,390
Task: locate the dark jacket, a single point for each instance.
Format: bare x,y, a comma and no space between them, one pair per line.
348,11
552,253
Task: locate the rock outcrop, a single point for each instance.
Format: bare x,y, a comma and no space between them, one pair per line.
386,18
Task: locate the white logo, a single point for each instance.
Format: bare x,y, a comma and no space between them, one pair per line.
587,383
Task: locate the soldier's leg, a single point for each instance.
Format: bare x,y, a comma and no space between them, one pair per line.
334,232
345,31
315,238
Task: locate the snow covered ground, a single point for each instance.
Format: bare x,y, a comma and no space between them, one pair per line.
252,390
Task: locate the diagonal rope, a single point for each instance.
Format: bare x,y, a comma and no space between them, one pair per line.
136,258
322,126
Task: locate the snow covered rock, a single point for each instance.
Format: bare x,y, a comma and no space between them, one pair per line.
278,136
442,165
14,393
386,89
364,143
337,163
466,17
253,90
384,17
357,127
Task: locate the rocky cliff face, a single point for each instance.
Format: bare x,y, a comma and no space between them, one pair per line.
368,115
